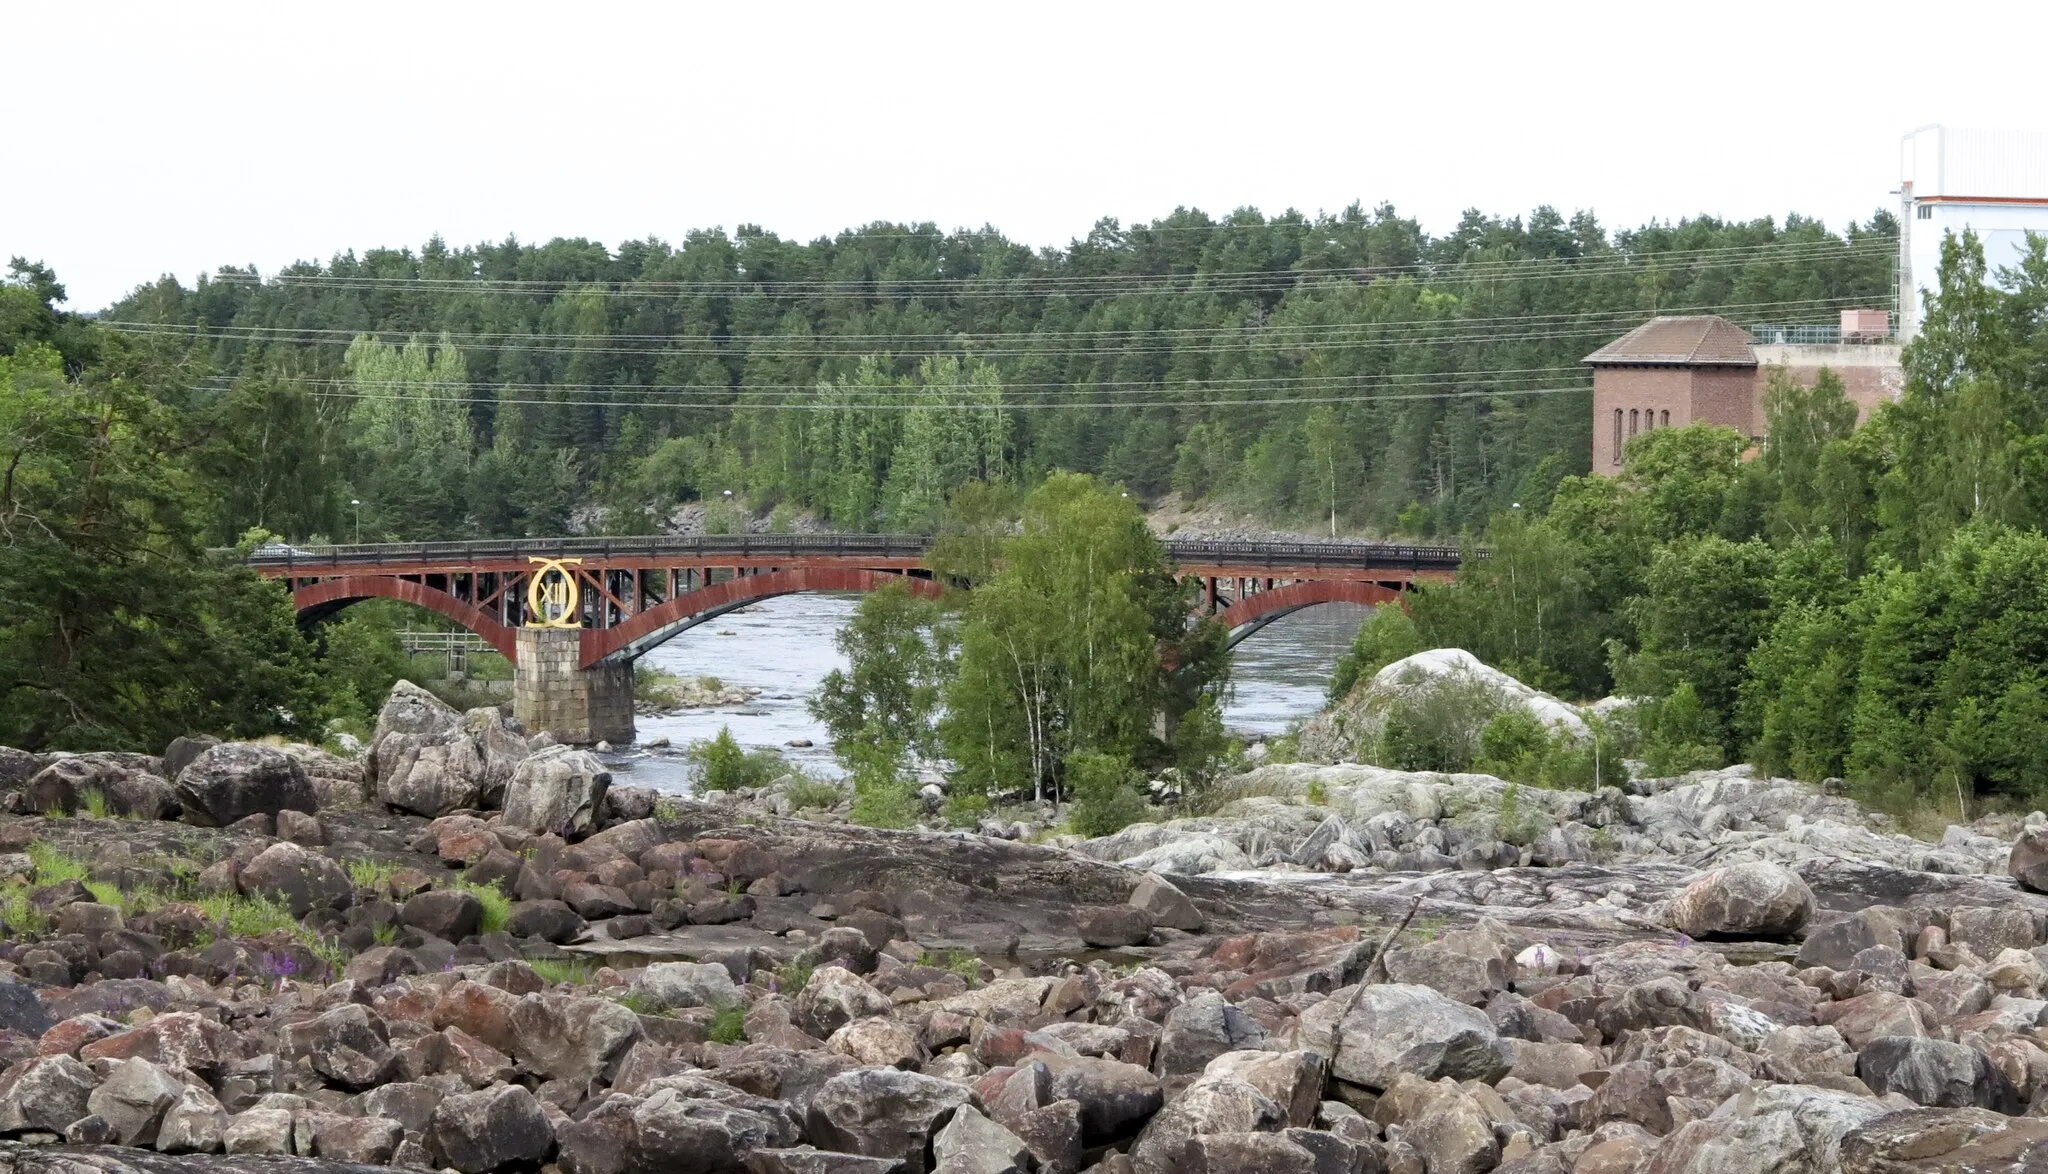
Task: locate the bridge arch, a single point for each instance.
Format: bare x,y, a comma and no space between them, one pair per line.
318,601
656,625
1255,611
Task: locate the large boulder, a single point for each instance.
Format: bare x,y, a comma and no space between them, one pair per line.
1778,1129
133,1100
1923,1141
833,997
1935,1073
492,1129
1754,900
557,789
123,781
1212,1104
883,1113
45,1094
1200,1030
668,985
500,745
1351,729
346,1045
17,767
448,914
675,1131
972,1144
570,1038
235,780
302,879
422,759
1374,1034
2028,862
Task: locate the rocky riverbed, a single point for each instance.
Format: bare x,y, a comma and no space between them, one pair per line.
467,950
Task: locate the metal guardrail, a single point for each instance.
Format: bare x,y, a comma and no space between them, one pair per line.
710,548
419,643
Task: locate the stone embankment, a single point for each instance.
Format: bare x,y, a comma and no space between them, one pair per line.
469,950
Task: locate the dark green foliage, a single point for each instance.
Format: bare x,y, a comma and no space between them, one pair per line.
1388,635
1106,798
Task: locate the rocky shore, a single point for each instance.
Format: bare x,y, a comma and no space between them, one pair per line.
466,950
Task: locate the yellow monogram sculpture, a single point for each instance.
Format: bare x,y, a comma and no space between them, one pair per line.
552,594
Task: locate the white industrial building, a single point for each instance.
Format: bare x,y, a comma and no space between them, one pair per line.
1992,181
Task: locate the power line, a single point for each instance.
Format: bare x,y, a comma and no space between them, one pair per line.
339,333
1042,284
221,382
965,406
825,346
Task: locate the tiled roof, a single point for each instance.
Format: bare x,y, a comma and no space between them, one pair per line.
1692,341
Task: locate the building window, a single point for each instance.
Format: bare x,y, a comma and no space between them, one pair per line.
1633,421
1666,421
1617,436
1924,211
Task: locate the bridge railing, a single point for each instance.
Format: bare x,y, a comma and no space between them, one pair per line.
710,549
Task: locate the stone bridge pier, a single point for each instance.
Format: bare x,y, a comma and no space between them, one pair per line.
553,691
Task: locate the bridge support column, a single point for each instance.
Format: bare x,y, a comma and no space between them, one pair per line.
552,692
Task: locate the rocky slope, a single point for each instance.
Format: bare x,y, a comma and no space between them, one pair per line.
468,951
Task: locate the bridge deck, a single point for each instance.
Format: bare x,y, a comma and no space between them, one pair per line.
891,551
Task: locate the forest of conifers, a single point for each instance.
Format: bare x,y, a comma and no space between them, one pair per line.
1291,367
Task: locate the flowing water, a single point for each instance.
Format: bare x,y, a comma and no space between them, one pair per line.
783,647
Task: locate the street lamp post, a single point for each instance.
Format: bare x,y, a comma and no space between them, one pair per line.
358,504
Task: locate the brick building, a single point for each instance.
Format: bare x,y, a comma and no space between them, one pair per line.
1674,371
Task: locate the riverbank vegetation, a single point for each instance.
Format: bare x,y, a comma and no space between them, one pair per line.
1860,602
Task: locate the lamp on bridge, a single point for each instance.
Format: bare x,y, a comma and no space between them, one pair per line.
357,502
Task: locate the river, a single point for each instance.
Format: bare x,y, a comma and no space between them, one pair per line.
783,646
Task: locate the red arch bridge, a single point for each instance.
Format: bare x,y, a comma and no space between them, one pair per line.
635,593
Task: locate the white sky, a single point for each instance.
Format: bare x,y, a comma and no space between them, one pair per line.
146,139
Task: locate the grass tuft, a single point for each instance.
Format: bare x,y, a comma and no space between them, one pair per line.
54,865
247,916
374,875
729,1025
563,970
497,906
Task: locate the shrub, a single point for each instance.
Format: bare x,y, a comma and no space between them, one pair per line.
1388,635
1105,794
884,796
805,793
720,764
1435,724
729,1025
657,687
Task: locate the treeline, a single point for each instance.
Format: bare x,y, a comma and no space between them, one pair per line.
1868,603
1348,365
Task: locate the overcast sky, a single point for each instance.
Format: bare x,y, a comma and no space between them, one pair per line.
173,138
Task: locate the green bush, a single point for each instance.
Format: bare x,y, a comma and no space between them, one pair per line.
1435,724
1388,635
720,763
1105,794
884,796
